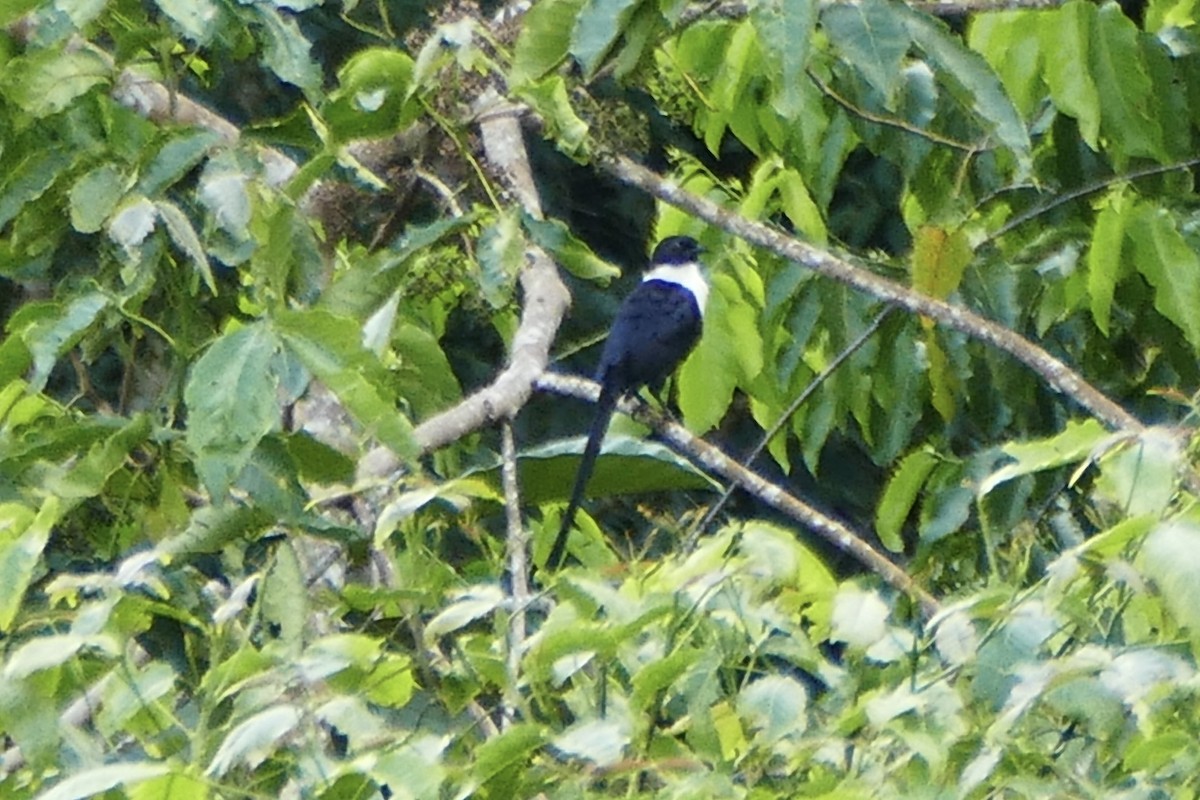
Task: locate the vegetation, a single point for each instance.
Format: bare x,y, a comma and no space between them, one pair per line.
287,425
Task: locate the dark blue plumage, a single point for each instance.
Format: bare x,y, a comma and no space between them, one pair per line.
657,325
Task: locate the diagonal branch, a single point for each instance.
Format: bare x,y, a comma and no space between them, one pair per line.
1053,371
715,462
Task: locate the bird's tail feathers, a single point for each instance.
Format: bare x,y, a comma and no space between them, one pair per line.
604,411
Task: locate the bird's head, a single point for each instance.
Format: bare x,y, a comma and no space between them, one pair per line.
676,250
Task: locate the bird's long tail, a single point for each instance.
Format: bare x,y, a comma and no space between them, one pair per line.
604,411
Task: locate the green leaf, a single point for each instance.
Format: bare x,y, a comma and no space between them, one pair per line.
546,32
51,338
601,741
373,97
939,258
94,196
1077,441
1141,475
1128,101
231,401
331,348
86,476
23,536
180,229
570,252
971,81
46,81
26,181
501,254
284,597
1171,558
509,749
730,351
1066,36
468,606
89,782
776,705
287,51
1104,258
1171,266
900,495
425,376
195,19
254,740
872,39
552,102
1011,43
176,158
599,24
785,29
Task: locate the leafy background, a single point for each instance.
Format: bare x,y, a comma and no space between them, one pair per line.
217,316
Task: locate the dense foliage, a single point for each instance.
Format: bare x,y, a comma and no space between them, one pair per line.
213,312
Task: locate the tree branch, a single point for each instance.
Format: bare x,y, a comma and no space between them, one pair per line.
715,462
1053,371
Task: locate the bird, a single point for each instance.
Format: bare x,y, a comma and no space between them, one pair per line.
656,327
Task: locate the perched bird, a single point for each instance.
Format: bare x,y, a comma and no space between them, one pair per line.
657,325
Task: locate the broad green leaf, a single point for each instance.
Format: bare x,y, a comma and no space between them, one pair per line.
501,254
1010,42
944,386
331,348
546,32
23,537
224,191
1141,476
177,784
775,705
601,741
873,39
570,252
286,52
195,19
174,159
661,674
899,496
804,214
132,223
1129,105
94,196
50,339
417,766
131,691
859,617
470,605
12,10
1066,36
971,81
373,97
87,475
255,739
552,102
785,29
28,179
283,596
1169,264
741,64
597,27
425,376
730,351
939,259
1104,258
1171,558
508,749
180,229
46,81
46,652
1077,441
124,775
230,396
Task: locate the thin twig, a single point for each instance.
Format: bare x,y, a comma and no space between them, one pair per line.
694,534
891,122
713,461
518,572
1085,190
